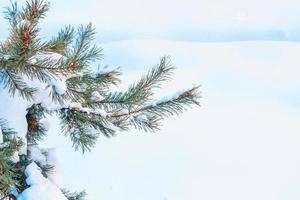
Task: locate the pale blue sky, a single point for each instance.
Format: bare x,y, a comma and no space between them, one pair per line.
189,20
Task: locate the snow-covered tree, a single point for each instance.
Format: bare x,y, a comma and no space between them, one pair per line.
42,78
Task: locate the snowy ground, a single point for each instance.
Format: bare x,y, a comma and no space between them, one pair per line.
243,143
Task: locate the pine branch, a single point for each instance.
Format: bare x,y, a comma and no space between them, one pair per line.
61,43
74,195
35,129
8,173
58,69
84,127
82,99
11,13
24,25
82,53
15,83
35,10
46,170
166,107
141,92
82,87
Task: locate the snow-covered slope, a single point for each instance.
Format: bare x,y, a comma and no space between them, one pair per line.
243,142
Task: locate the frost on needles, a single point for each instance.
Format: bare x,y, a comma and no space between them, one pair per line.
40,78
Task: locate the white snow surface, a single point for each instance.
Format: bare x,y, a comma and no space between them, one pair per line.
40,187
53,159
13,110
47,156
243,139
59,85
242,143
